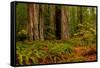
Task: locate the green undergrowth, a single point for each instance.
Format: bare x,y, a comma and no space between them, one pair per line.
33,52
46,52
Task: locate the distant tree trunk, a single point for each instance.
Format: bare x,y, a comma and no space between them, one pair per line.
58,22
52,20
41,22
81,15
36,21
93,15
30,21
64,23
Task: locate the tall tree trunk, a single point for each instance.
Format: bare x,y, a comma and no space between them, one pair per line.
36,21
64,23
30,21
41,22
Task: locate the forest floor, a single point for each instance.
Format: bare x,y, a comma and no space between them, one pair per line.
89,53
52,52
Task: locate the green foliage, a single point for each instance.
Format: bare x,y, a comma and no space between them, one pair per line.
42,52
73,20
86,34
34,52
21,16
59,48
82,25
49,29
22,35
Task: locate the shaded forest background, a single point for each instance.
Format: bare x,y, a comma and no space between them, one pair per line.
57,26
49,22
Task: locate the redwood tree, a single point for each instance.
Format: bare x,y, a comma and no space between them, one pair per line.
64,23
30,21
